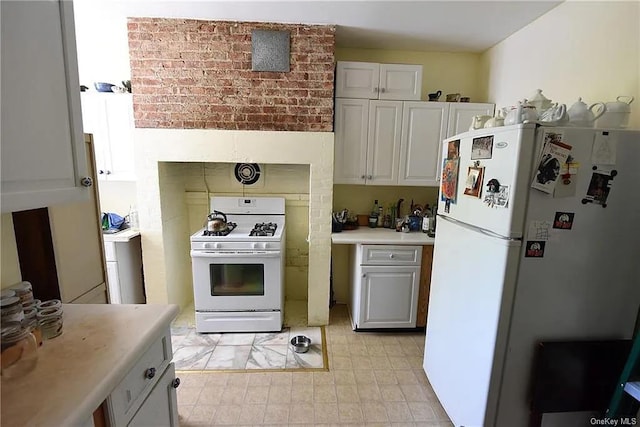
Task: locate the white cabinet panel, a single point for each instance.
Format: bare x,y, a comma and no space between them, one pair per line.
161,406
369,80
424,125
389,297
461,115
383,148
400,82
384,292
357,80
43,152
114,283
109,117
350,151
124,271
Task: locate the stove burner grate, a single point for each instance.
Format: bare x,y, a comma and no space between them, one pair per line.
264,229
230,227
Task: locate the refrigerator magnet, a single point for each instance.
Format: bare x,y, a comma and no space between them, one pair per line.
497,199
599,188
453,149
482,148
534,249
604,149
449,184
473,185
563,220
539,230
553,155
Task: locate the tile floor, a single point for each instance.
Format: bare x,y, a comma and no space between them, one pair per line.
239,351
374,379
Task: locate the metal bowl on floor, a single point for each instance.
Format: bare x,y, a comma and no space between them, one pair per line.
300,343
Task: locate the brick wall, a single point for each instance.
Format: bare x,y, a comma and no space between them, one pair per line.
197,74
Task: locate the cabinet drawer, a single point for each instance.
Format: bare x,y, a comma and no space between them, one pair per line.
110,251
390,255
127,397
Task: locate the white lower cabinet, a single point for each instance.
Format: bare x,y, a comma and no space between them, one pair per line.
146,396
124,271
161,406
385,286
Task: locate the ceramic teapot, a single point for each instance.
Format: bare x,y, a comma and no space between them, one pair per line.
478,122
521,113
616,114
582,115
540,101
496,121
555,115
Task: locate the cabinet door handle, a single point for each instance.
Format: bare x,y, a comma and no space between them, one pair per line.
375,89
150,373
362,176
364,275
108,172
392,256
369,176
100,172
175,383
86,181
382,89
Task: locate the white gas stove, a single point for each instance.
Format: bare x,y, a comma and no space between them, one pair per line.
238,270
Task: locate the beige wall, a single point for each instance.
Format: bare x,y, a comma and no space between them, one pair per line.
10,267
579,49
117,196
448,72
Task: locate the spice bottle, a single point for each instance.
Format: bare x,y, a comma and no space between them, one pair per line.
11,310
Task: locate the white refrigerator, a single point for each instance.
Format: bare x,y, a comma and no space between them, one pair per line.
538,238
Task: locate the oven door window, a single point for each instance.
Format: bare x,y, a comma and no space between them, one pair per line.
236,279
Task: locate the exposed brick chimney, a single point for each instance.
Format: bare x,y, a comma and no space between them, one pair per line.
197,74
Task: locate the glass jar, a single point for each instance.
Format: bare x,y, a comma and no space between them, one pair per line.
7,293
31,322
19,350
11,310
24,291
31,304
50,321
52,303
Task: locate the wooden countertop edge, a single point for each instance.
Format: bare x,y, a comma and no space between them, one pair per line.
21,410
380,237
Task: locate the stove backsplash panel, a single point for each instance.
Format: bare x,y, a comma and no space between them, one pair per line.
195,74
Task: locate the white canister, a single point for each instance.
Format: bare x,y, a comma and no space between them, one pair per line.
616,114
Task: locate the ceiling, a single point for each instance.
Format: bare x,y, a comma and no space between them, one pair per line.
451,26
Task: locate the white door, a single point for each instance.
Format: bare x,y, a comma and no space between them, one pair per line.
461,115
350,150
357,80
388,296
383,150
119,117
400,82
424,125
43,152
160,408
472,287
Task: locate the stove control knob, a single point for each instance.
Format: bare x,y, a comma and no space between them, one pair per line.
254,246
266,246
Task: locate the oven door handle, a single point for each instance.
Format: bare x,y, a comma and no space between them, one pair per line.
248,254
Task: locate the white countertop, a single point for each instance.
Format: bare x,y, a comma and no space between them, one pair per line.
77,370
380,236
121,236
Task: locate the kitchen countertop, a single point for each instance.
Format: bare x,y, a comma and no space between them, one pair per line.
77,370
380,236
121,236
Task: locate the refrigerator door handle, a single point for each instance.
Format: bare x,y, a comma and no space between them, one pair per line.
480,230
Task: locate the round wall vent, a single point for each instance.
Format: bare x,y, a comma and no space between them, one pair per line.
247,173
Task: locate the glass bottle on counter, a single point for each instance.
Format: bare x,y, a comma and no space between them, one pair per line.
426,219
19,350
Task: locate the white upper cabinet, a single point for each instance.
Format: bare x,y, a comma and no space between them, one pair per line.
383,148
461,115
368,80
424,125
350,150
43,149
109,117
